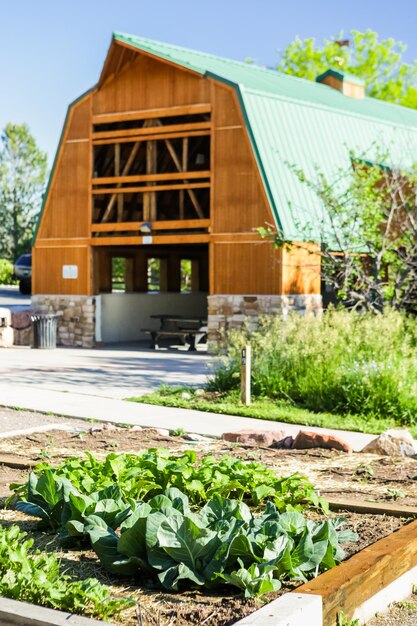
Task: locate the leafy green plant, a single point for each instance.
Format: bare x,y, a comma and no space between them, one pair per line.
32,576
63,497
223,542
46,497
345,362
342,620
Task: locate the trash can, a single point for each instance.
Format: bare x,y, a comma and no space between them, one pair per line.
44,330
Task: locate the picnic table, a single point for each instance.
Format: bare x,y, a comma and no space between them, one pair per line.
191,330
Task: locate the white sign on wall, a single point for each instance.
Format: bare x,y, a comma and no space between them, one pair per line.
70,271
147,239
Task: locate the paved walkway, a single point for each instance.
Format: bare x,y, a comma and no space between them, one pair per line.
119,411
91,384
112,372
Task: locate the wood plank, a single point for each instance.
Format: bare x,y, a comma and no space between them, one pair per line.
353,582
177,162
184,169
160,239
155,130
173,111
235,238
125,171
187,186
16,613
377,508
120,198
196,133
151,166
179,224
150,177
15,461
75,242
161,225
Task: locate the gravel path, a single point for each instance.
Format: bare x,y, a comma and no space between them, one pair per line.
16,421
402,613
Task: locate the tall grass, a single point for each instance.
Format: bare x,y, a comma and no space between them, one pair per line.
343,363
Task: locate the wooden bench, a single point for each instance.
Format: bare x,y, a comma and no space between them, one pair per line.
190,336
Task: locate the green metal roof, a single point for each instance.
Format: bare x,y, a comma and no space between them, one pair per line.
292,121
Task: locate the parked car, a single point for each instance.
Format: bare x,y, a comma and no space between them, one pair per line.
23,273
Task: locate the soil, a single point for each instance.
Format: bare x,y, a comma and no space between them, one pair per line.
356,476
402,613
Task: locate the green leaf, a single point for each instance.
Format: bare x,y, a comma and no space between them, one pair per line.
105,542
292,522
33,510
171,577
187,543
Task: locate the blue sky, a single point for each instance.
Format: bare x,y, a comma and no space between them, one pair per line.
52,50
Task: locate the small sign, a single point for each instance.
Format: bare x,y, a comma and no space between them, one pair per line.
147,240
70,271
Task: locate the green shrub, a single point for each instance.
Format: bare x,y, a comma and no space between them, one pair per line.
345,362
36,577
6,272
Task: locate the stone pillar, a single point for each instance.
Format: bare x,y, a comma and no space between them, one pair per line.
76,324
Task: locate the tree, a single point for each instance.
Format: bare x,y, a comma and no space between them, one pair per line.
367,239
23,171
378,62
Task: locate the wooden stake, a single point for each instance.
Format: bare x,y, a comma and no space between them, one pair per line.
245,373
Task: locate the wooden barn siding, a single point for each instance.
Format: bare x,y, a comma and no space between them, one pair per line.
66,218
47,265
239,205
149,84
246,268
67,211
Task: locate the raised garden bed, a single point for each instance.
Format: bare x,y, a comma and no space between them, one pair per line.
381,482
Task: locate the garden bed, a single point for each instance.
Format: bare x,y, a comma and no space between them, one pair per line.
356,477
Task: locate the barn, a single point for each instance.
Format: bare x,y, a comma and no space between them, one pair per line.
163,173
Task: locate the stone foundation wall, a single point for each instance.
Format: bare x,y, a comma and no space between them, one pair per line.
233,311
76,324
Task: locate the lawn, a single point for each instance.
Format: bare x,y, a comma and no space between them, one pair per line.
228,403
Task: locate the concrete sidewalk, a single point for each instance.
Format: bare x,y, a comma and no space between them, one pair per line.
94,407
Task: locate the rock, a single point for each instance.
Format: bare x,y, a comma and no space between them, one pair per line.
404,435
95,429
196,437
387,445
284,444
21,319
185,395
135,428
164,432
307,439
255,437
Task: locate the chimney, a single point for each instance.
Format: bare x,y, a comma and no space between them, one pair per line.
347,84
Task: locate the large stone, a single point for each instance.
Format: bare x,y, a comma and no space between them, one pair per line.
388,445
307,439
21,319
255,437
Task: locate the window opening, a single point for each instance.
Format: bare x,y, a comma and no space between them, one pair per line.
118,274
